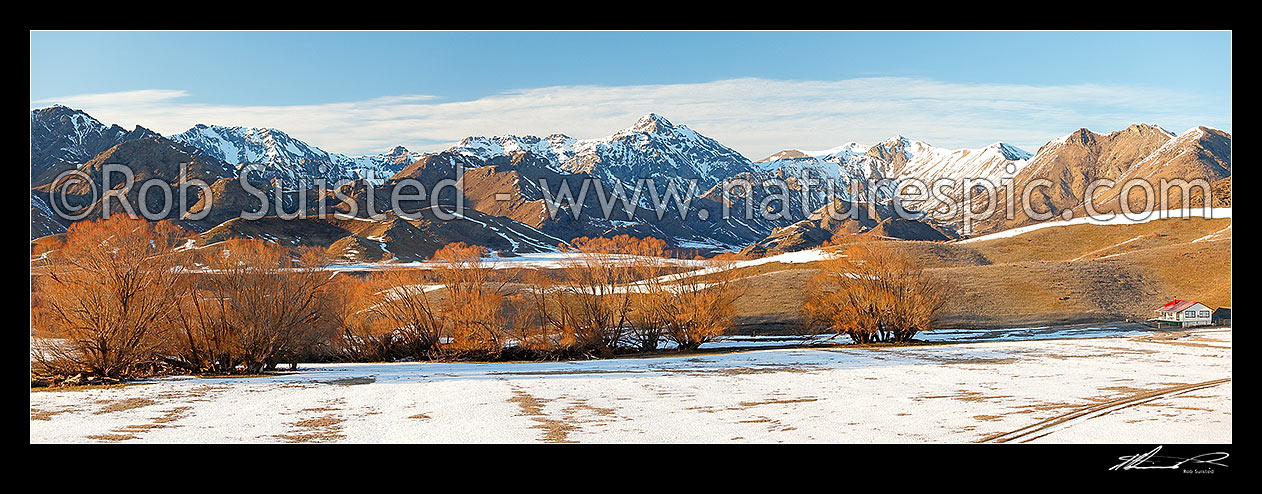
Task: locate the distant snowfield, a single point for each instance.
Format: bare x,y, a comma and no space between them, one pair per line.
1149,387
547,260
1118,219
552,260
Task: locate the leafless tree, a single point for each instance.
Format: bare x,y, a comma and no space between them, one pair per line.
874,294
268,299
109,296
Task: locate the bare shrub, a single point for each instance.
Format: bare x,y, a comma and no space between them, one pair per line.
538,320
651,301
688,308
528,329
261,303
108,297
474,300
593,296
403,314
204,338
874,294
699,308
358,338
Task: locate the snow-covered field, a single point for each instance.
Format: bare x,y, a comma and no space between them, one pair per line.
1130,386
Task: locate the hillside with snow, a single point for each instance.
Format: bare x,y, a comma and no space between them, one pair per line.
288,159
508,170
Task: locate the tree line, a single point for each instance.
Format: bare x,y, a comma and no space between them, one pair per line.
122,298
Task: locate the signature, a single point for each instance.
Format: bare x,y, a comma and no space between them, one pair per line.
1151,461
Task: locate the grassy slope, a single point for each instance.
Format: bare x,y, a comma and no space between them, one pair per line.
1067,274
1071,274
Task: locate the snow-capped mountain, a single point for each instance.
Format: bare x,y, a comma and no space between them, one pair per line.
653,147
996,162
1075,161
840,165
377,168
556,149
896,159
63,138
288,159
503,173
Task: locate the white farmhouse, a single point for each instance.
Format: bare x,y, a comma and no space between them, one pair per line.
1184,313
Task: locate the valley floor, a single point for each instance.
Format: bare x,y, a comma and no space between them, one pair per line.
1127,387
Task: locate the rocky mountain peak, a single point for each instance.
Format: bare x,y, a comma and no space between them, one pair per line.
1143,128
1082,137
652,123
784,155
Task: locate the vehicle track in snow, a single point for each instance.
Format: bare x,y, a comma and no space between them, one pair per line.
1059,422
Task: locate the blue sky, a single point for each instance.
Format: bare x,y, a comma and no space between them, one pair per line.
758,92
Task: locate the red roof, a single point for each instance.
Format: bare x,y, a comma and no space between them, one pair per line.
1176,305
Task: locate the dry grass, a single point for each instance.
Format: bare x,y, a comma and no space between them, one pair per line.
39,414
173,415
773,401
772,301
1061,275
554,431
84,387
113,438
353,381
320,429
123,405
1070,242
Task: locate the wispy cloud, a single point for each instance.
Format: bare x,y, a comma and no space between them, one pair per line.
754,116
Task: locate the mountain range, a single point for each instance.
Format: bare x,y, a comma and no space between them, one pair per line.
508,210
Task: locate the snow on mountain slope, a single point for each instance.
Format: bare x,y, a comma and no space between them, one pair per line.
843,162
243,145
840,168
377,168
651,148
996,162
289,159
655,148
556,148
65,137
900,158
1120,219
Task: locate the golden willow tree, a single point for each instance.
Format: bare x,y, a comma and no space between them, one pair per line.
592,295
474,300
392,314
699,308
108,296
687,308
874,294
459,307
256,304
622,291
